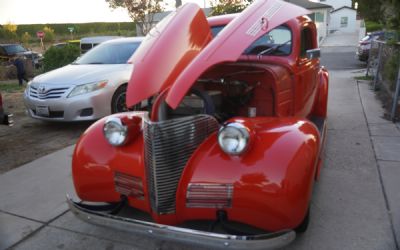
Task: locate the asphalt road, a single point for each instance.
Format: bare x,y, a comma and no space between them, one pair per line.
340,58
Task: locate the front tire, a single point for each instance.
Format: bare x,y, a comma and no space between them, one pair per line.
118,101
304,224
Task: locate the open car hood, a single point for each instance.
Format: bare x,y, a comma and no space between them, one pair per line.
179,49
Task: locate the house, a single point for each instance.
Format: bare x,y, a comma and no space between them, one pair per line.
343,16
320,15
344,19
336,4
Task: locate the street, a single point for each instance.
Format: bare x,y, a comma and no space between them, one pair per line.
350,203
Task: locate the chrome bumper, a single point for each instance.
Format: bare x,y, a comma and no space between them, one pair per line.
184,235
8,120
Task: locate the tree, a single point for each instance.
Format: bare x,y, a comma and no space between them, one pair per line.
9,32
221,7
380,11
25,38
140,11
370,9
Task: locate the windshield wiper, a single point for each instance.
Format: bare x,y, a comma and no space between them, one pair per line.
96,63
272,49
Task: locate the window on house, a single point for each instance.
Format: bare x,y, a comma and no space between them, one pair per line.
319,17
344,21
312,16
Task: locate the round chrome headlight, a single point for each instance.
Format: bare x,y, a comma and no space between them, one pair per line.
115,131
233,138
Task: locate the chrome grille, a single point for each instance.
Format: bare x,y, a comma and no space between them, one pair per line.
168,146
49,93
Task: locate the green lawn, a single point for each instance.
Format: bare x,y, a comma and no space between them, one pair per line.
366,78
11,86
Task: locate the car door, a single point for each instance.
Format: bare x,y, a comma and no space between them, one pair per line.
307,72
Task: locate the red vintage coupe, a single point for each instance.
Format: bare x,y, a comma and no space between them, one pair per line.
227,149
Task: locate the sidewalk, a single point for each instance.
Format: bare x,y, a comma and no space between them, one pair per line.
385,137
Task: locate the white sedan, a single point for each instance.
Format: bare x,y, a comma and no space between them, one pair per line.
90,88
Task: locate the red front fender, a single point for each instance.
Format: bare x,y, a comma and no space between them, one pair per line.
95,163
272,182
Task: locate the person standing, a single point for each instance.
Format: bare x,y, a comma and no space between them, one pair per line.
21,73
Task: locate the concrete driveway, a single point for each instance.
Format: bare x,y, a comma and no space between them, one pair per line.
355,204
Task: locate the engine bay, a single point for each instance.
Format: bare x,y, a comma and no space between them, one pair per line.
226,91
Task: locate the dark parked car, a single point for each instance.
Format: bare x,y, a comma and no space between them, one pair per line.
5,118
8,51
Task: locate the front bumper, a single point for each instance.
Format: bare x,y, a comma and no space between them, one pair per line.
72,109
184,235
7,119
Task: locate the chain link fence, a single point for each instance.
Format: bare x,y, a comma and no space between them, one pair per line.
384,68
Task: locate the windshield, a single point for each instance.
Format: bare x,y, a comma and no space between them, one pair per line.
109,53
14,49
277,42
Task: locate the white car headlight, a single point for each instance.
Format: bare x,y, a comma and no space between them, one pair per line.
28,88
87,88
115,131
233,138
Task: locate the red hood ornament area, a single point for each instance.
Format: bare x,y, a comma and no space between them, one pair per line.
230,134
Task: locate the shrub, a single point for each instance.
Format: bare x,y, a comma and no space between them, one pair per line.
48,34
373,26
391,69
58,57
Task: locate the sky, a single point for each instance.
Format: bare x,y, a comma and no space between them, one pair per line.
64,11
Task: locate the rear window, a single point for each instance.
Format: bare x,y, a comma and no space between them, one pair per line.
14,49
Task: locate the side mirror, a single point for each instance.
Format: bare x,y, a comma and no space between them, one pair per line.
313,53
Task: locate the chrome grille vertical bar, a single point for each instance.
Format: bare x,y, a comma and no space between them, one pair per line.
168,146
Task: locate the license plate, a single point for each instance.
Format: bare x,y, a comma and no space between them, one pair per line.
42,110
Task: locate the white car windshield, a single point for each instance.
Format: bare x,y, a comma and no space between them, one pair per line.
109,53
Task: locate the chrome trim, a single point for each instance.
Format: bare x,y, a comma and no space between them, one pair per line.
123,129
209,195
43,92
168,146
183,235
242,129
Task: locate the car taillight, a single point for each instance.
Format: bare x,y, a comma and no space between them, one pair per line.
128,185
206,195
